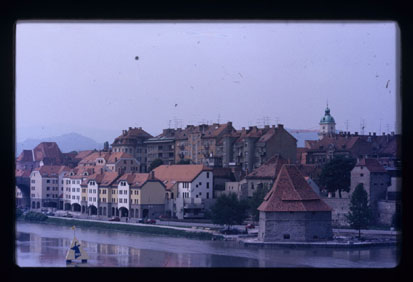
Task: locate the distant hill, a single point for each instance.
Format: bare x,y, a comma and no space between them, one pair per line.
302,134
66,142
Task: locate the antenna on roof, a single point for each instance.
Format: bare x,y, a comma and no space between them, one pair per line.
219,118
362,126
346,125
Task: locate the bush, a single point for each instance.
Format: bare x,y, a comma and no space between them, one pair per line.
19,213
35,216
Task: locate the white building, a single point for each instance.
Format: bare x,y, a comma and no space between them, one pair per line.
194,188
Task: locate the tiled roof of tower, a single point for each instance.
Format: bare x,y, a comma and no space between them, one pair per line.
180,173
48,150
292,193
269,169
25,156
372,165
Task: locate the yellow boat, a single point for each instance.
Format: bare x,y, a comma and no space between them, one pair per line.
76,251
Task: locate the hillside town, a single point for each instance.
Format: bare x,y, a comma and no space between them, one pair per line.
180,173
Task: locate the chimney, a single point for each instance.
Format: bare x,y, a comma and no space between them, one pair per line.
250,128
374,133
369,133
152,175
229,123
280,126
392,133
130,128
384,133
356,133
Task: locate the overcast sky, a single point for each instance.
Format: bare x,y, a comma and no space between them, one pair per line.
99,78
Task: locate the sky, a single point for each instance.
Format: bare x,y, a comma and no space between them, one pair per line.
98,78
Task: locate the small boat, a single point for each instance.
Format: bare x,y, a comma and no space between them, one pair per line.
76,251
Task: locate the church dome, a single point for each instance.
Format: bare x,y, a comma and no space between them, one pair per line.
327,118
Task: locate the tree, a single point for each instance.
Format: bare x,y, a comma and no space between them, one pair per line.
336,174
155,163
228,210
359,214
256,200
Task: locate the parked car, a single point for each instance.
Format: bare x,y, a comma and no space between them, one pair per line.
227,231
250,226
115,218
50,213
68,215
151,221
141,220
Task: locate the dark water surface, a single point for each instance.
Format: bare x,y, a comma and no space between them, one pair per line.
41,245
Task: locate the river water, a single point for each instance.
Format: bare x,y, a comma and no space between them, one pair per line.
41,245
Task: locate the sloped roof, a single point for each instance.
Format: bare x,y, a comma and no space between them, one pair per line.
48,150
180,173
22,173
292,193
268,170
371,164
25,156
134,179
52,170
83,154
339,142
104,179
113,157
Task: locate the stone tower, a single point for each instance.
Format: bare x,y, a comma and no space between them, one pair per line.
327,125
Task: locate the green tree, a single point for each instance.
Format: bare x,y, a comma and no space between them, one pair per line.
359,214
228,210
155,163
335,175
256,200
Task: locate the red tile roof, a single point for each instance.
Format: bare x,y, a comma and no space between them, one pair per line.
52,170
83,154
292,193
104,179
268,170
371,164
134,179
179,173
49,151
25,156
22,173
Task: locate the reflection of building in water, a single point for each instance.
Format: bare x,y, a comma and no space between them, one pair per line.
103,249
135,257
123,255
35,243
48,250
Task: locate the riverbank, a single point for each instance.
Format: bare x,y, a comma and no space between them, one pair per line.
189,233
327,244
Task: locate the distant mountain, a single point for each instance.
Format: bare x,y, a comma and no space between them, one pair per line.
303,134
66,142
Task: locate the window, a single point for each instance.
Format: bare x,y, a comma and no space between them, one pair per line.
361,174
207,174
33,188
47,188
33,181
90,199
94,199
120,192
94,190
207,184
78,190
84,190
48,181
207,195
120,200
83,198
286,236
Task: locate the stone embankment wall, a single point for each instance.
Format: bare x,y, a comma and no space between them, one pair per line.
386,210
340,208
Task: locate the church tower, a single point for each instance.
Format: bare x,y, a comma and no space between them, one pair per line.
327,125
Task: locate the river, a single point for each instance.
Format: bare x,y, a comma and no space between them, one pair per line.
41,245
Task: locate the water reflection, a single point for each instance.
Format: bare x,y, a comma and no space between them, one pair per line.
45,245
